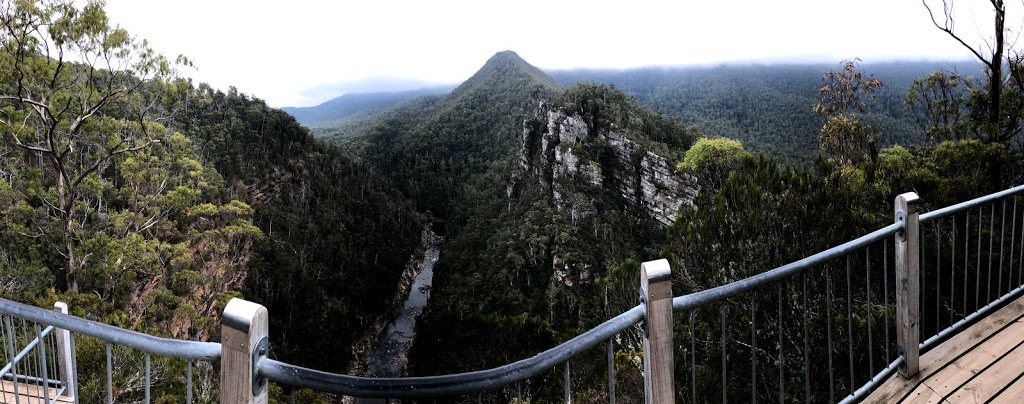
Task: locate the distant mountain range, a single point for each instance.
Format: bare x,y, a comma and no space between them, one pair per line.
767,107
339,109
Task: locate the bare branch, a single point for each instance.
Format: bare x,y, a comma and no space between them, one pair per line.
948,29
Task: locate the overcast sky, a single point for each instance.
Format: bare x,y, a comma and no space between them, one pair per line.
303,52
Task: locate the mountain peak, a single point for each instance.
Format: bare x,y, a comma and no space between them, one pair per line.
508,65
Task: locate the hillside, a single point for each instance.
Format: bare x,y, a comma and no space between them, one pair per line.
429,147
353,105
767,107
327,222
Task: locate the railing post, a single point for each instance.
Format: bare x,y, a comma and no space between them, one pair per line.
243,341
656,289
908,283
66,356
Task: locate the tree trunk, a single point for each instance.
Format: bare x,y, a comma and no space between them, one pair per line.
995,80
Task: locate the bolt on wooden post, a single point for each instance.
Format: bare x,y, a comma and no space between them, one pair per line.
908,283
243,331
656,284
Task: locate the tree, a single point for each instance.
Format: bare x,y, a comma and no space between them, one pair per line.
844,136
999,128
942,101
64,72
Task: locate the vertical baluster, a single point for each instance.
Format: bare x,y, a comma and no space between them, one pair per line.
885,293
1013,239
1002,237
291,394
977,268
110,378
1020,259
967,253
828,322
188,382
938,273
9,324
807,347
74,366
693,357
147,378
568,393
41,347
871,311
519,393
725,378
753,348
611,370
782,358
952,271
991,232
849,320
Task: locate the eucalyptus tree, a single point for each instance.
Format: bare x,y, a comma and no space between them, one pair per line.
71,103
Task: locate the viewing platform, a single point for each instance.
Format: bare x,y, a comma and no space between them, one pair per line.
927,309
984,363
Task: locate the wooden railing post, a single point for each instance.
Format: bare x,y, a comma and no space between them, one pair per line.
66,356
243,334
908,283
656,289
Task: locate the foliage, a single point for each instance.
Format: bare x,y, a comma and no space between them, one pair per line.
336,235
765,106
75,119
844,137
711,159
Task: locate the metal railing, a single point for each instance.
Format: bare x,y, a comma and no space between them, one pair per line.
32,371
830,326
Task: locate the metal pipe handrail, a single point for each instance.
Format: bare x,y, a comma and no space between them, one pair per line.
949,210
697,299
24,351
452,384
205,351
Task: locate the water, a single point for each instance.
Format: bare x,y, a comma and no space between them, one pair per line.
389,354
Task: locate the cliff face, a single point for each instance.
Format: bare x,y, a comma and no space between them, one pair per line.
579,165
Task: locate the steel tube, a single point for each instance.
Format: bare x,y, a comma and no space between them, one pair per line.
692,300
949,210
446,385
207,351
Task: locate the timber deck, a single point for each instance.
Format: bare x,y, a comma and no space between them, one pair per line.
984,363
28,394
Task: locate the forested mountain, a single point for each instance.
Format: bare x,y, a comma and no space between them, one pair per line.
147,202
768,107
429,147
336,236
352,105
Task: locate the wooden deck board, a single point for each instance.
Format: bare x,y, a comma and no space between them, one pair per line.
898,389
988,382
974,362
27,394
1014,393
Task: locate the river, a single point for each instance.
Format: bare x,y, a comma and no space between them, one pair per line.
389,354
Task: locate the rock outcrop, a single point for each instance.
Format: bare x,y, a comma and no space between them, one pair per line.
578,164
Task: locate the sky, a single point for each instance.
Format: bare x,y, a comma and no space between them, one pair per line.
304,52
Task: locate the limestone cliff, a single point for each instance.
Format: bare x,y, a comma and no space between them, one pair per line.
579,164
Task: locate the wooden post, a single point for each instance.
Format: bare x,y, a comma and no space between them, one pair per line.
243,338
908,283
656,286
65,356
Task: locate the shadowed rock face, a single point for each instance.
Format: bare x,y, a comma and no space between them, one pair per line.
577,164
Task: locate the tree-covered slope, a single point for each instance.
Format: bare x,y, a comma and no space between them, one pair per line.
340,109
430,147
337,236
767,107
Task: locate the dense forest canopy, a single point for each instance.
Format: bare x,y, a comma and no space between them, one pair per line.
147,201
